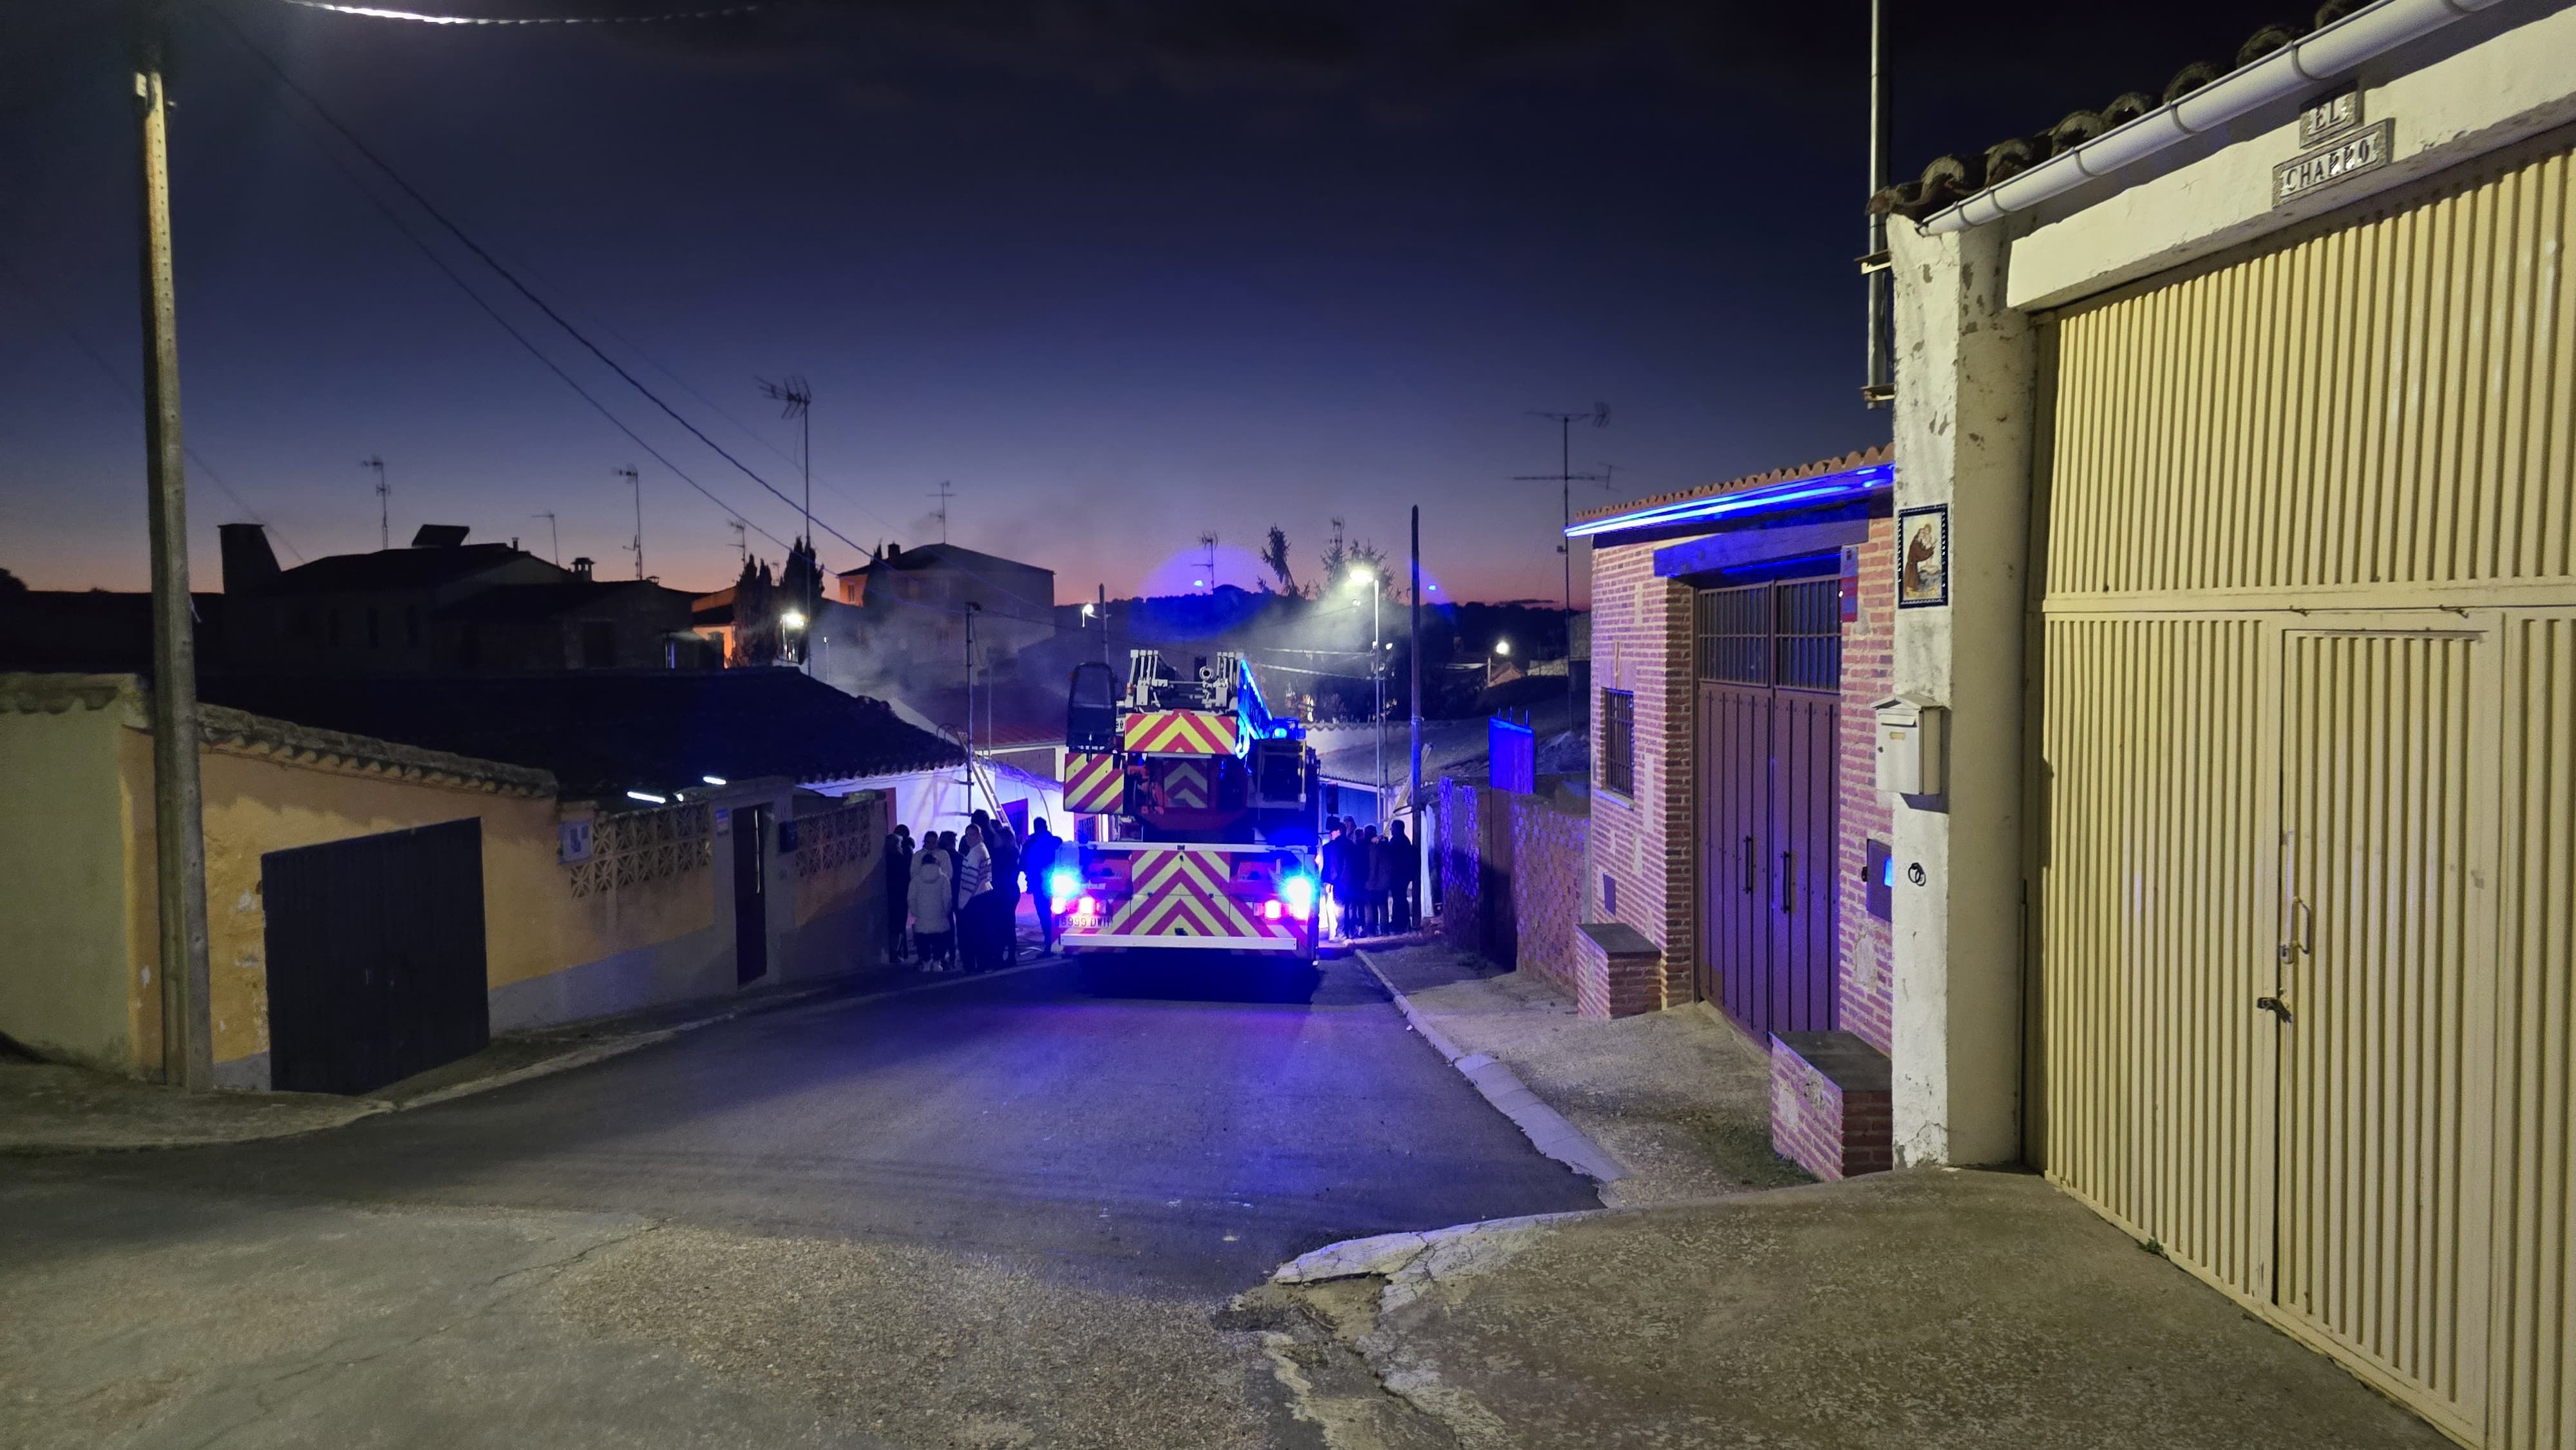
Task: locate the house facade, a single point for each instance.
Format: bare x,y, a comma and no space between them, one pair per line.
377,908
1741,641
2240,425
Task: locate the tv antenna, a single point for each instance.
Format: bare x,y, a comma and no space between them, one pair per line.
1564,478
796,401
636,482
741,546
1207,578
384,504
944,495
554,540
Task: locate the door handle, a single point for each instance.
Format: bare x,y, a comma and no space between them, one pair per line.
1748,865
1788,892
2277,1006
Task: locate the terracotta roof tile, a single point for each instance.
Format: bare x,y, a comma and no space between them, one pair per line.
1949,179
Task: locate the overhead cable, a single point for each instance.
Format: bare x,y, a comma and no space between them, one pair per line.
377,12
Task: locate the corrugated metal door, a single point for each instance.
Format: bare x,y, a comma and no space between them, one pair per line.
1806,741
2533,1310
2380,417
2386,974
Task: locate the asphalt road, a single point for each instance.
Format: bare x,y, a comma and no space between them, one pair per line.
1023,1194
1192,1122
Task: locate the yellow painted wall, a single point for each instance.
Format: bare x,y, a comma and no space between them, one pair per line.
257,803
64,954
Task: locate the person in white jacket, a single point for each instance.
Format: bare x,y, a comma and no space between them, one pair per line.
974,883
934,936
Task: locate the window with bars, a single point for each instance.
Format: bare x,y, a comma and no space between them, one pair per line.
1619,741
1787,634
1807,634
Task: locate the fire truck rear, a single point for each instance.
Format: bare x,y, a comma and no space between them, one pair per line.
1205,813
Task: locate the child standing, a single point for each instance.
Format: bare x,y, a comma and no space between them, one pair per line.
934,925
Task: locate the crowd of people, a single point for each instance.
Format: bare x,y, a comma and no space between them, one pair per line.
1371,880
953,897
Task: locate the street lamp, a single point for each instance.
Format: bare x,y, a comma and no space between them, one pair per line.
1503,647
1362,576
793,619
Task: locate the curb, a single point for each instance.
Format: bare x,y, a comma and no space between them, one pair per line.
1548,1130
620,1046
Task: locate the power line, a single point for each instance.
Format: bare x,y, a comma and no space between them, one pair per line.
398,224
117,381
372,12
506,274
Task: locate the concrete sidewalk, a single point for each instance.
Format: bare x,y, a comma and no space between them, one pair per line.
1679,1099
1916,1310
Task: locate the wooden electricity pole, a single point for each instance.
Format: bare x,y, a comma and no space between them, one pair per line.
178,808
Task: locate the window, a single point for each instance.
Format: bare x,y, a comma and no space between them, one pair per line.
1619,741
598,645
1807,642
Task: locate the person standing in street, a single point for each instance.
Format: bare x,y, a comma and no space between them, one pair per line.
974,885
1037,863
898,889
1379,874
1006,892
933,921
1335,869
1404,865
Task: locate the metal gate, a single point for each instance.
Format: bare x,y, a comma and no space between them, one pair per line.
2387,883
375,957
2306,673
1770,667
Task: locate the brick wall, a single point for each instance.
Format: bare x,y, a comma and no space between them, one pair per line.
1641,643
1833,1128
1512,870
1865,987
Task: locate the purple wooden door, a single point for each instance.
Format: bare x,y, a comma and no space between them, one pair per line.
1770,714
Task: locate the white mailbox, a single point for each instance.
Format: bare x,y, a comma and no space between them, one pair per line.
1909,745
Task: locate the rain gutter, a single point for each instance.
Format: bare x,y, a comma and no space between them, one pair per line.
2321,56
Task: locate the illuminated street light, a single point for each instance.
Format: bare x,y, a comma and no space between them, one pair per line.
1087,612
1503,647
713,779
647,797
792,619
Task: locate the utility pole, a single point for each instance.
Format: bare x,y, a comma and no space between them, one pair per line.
796,400
636,482
1377,679
384,504
972,609
1104,622
1565,477
1877,269
1413,793
178,806
554,540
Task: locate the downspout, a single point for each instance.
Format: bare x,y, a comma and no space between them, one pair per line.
2324,55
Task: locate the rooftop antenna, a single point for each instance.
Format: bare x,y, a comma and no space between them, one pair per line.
384,504
636,482
795,400
944,495
1564,478
1207,579
741,546
554,540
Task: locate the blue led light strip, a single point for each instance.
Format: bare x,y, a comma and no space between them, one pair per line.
1801,493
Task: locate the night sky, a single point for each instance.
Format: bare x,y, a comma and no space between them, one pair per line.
1124,272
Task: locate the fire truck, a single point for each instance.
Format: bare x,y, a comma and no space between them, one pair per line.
1204,812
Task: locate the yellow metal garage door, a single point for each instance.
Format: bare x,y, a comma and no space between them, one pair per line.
2385,959
2364,814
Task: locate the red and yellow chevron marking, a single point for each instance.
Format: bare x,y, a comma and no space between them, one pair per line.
1180,732
1182,894
1094,785
1186,784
